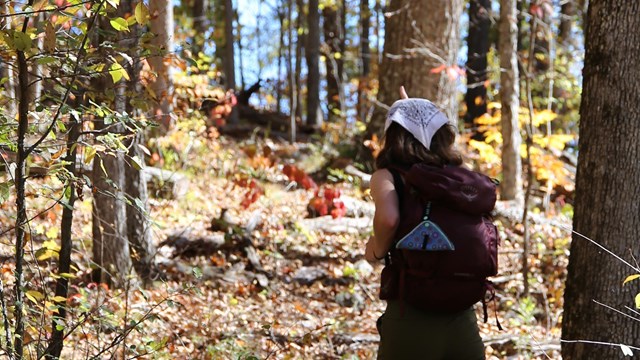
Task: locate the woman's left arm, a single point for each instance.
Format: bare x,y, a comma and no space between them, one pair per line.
387,215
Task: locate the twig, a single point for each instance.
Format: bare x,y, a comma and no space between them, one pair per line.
5,320
616,310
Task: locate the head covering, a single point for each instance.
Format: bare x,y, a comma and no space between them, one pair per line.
418,116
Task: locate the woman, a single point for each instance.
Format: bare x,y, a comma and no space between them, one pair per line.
415,132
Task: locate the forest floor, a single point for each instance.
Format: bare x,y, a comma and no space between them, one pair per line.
282,285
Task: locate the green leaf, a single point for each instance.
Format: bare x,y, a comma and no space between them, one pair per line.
142,13
631,278
4,191
137,163
197,272
21,41
119,24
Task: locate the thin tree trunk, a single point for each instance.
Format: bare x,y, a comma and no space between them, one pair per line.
162,26
478,47
200,24
279,80
511,185
290,74
300,26
331,27
58,324
229,56
607,188
8,71
240,56
139,234
21,210
567,13
313,57
365,60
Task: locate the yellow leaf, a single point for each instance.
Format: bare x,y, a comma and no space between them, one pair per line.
34,295
59,299
631,278
638,301
142,13
49,38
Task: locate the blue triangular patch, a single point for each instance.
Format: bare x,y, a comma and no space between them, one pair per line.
427,236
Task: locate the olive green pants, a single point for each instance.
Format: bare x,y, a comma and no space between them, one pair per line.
413,334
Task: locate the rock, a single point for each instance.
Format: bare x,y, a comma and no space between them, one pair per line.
307,275
363,267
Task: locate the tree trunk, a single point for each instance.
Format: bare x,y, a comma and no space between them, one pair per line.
200,24
162,26
567,12
511,185
110,243
331,28
365,60
229,55
279,80
313,57
420,36
300,26
607,184
142,248
9,103
478,47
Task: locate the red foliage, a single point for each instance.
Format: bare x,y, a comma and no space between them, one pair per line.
326,202
254,190
293,173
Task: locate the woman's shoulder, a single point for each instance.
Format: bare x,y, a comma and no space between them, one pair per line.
381,175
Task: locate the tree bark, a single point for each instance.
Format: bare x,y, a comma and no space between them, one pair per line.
365,60
162,26
608,178
420,36
110,243
313,67
478,47
229,64
511,185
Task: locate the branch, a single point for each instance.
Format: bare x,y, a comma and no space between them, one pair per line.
73,79
32,12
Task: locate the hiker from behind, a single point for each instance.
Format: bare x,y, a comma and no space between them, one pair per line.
431,229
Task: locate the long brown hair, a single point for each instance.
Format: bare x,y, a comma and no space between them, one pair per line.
401,149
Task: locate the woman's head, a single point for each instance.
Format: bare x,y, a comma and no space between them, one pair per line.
417,132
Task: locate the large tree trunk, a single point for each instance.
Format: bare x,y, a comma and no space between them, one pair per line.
477,49
420,36
313,73
511,186
110,243
607,186
162,26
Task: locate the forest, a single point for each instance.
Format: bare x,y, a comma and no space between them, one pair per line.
190,179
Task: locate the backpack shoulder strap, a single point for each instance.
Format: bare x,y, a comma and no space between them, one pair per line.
398,184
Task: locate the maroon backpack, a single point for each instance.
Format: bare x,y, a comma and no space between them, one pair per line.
449,202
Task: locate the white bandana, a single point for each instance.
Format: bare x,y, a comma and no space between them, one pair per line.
419,116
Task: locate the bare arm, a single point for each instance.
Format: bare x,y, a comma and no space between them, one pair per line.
387,215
